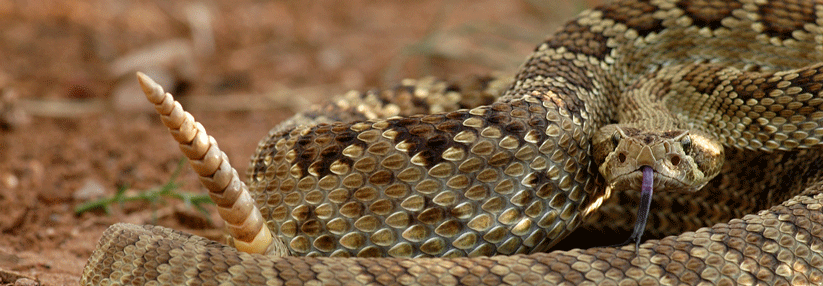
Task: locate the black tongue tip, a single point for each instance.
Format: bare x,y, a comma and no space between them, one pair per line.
646,192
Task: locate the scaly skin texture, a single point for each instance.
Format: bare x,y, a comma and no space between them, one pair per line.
516,176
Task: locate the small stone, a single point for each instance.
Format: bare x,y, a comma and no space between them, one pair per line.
11,114
7,276
26,282
10,181
90,190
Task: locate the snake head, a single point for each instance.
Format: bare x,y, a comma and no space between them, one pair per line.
682,161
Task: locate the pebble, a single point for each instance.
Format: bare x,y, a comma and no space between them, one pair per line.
10,181
91,189
26,282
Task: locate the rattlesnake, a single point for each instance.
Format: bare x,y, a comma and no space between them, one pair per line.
693,83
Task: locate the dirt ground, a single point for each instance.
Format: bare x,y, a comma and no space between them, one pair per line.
74,127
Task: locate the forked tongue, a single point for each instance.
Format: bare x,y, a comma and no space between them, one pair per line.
646,191
645,204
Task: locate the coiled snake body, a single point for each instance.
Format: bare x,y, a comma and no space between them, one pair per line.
691,85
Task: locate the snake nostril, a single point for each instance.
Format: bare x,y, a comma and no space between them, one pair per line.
621,157
675,160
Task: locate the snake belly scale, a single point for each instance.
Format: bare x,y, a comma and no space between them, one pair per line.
722,97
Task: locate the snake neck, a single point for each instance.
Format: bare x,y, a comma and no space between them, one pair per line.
684,156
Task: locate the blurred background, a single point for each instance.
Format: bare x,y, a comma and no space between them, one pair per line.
74,127
86,49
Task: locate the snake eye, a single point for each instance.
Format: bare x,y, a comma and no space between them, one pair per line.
615,138
686,143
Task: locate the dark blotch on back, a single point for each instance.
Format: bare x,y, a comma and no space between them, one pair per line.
709,14
634,14
319,157
762,88
580,40
781,18
427,139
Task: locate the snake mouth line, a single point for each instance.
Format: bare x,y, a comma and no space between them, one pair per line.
660,179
